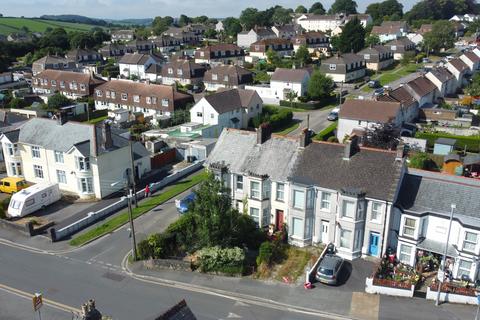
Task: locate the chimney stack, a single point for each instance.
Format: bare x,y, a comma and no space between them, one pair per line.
400,151
304,139
263,133
107,142
351,147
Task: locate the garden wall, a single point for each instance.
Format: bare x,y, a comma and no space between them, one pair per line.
376,288
169,264
451,297
310,276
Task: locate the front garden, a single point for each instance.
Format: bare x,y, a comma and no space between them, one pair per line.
394,274
212,235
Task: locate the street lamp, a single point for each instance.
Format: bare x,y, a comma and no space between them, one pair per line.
444,260
130,215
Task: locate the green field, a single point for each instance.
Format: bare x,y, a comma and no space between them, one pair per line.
11,25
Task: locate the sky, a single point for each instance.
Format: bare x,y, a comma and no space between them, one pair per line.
121,9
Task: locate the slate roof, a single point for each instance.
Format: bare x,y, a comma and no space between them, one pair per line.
239,151
459,64
134,58
229,100
400,94
48,59
373,171
51,135
390,27
422,86
289,75
472,56
12,135
442,74
236,75
432,192
345,58
180,311
154,69
369,110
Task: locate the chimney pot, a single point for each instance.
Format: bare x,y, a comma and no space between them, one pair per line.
61,117
304,138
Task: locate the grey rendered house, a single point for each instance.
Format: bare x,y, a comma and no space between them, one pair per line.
347,200
246,38
420,220
344,68
400,47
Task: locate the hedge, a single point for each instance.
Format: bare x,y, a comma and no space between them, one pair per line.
224,260
327,132
309,106
472,142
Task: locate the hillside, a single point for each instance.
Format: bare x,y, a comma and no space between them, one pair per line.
10,25
75,19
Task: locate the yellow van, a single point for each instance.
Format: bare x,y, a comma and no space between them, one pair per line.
12,184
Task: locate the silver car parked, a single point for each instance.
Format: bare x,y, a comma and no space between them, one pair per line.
329,269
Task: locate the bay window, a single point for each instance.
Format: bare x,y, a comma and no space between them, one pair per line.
409,227
297,227
405,253
464,267
345,238
86,185
348,209
255,214
255,189
298,199
470,241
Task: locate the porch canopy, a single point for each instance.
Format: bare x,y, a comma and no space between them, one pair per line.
437,247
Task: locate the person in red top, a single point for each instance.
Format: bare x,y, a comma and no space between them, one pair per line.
147,191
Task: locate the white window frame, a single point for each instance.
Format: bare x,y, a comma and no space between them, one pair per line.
99,93
255,193
255,215
214,76
239,182
325,200
136,98
345,242
36,152
280,192
124,96
82,163
403,253
332,67
463,270
468,242
164,102
346,214
38,171
59,157
61,176
85,185
376,213
297,229
408,227
296,203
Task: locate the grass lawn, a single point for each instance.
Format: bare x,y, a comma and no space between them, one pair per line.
10,25
143,207
96,120
294,264
286,108
286,130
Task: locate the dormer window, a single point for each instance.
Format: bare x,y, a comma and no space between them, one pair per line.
332,67
367,56
83,87
148,100
62,84
112,94
164,102
99,93
179,72
124,96
214,76
170,71
53,82
136,98
154,100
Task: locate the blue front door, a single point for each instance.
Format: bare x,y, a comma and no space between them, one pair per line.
374,238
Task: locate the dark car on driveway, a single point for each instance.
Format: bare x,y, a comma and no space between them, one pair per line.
329,269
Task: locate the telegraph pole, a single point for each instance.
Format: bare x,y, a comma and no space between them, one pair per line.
133,173
132,227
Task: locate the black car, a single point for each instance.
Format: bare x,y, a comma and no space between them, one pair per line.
373,84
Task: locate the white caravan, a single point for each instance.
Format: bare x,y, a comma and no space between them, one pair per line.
32,199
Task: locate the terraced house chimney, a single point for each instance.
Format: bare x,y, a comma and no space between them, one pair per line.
107,141
263,133
351,147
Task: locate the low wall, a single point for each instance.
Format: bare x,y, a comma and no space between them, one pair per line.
310,275
451,297
170,264
377,289
93,217
23,228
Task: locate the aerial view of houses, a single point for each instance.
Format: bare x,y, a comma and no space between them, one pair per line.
269,160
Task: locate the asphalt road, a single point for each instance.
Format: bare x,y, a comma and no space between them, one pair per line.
317,122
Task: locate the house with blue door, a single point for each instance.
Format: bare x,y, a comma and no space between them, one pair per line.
324,192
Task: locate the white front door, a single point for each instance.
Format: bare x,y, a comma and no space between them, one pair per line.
324,229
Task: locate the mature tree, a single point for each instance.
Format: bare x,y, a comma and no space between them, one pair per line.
372,40
200,19
301,9
343,6
261,77
352,37
273,57
142,33
473,89
320,86
210,33
317,8
407,58
57,38
281,16
184,20
232,26
57,101
385,136
161,24
291,96
249,18
389,8
442,36
302,56
440,9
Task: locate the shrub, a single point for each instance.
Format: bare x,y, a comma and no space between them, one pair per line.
144,250
216,259
327,133
472,143
265,253
332,139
